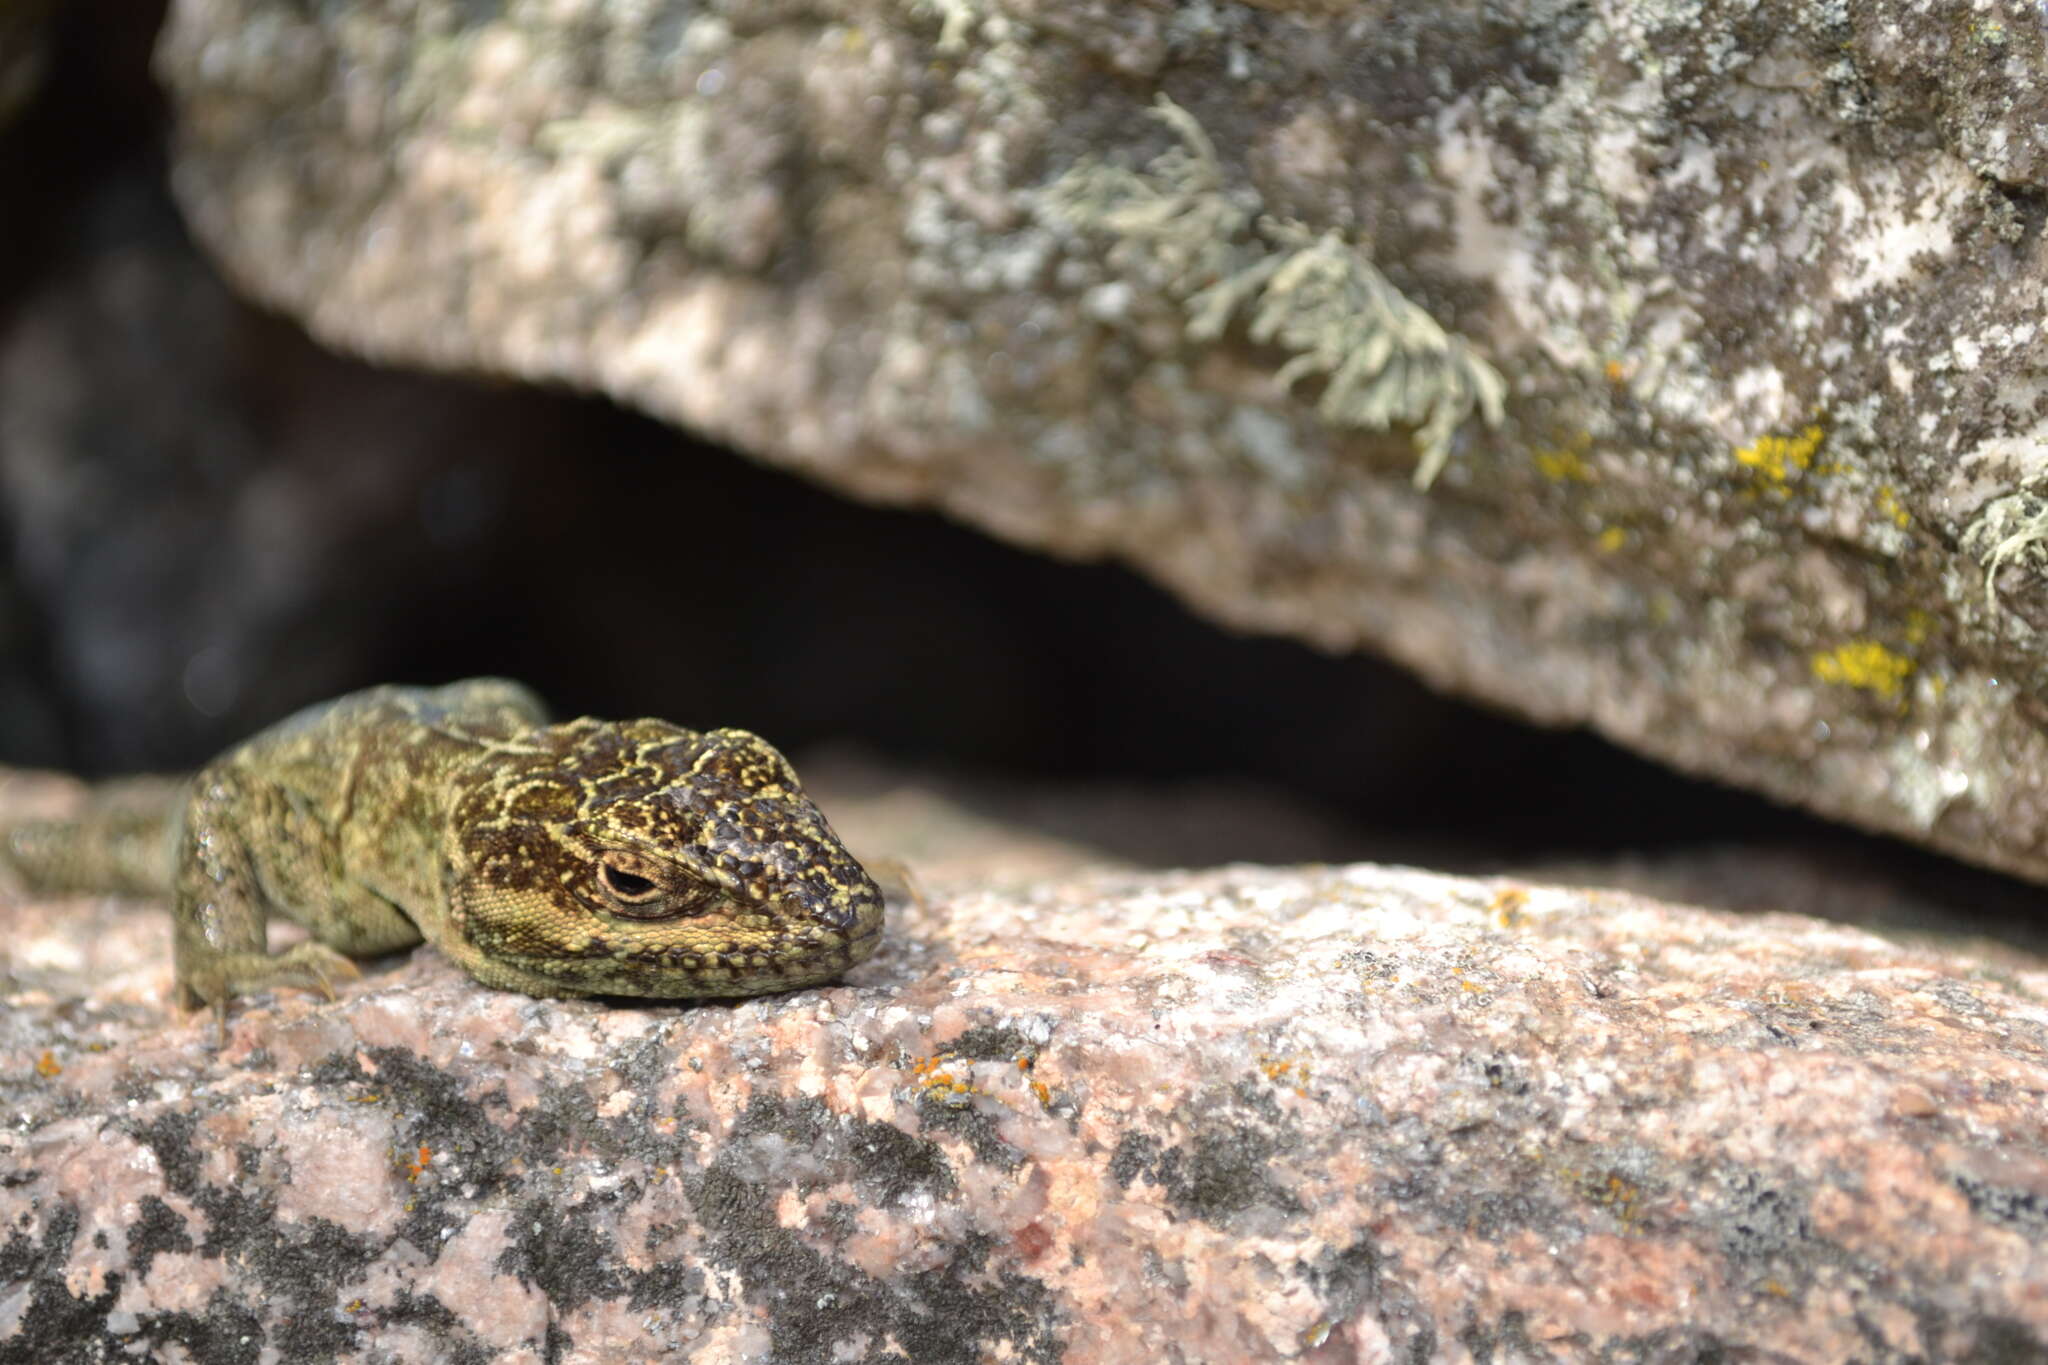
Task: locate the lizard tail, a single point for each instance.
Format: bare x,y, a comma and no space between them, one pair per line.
118,844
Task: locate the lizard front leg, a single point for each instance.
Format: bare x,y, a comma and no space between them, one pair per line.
220,909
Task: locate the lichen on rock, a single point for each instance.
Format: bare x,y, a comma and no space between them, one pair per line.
1385,361
2011,531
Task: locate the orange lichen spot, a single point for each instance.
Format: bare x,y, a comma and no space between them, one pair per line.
419,1162
1616,372
1043,1092
1278,1070
1865,665
1509,907
1775,459
1620,1195
935,1082
46,1065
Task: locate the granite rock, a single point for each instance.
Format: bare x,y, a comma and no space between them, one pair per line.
1201,287
1325,1113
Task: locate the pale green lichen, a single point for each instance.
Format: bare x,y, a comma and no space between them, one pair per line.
1384,361
957,19
2012,530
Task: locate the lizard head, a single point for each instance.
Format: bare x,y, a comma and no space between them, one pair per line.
640,858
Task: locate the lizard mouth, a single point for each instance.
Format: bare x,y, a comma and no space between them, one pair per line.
656,913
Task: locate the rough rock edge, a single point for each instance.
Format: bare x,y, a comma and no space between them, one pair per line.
1690,406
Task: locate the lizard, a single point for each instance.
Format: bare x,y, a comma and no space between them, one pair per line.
627,858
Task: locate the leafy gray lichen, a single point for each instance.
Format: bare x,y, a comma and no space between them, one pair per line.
1181,227
2010,530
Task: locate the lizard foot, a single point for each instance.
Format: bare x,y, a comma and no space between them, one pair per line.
313,967
304,966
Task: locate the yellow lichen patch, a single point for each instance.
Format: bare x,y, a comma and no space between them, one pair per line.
1866,665
1566,462
1610,540
1889,508
1775,459
1509,908
1564,466
1471,987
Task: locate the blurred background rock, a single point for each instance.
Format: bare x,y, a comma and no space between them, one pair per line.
208,521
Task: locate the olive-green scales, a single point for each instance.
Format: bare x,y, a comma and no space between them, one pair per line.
584,858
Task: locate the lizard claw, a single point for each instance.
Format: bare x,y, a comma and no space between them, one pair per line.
314,967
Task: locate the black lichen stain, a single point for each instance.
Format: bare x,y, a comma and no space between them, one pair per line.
887,1164
2001,1341
956,1314
55,1316
169,1136
559,1250
1219,1173
974,1127
159,1228
2024,1211
300,1265
1136,1154
227,1333
435,1109
1223,1173
965,1311
454,1343
1764,1227
58,1325
991,1043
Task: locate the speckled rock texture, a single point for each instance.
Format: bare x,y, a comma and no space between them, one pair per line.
1759,284
1333,1113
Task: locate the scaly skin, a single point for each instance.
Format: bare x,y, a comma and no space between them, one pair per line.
587,858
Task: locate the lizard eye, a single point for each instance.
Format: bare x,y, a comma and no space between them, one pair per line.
627,886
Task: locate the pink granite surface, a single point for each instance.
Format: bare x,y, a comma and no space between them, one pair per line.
1323,1113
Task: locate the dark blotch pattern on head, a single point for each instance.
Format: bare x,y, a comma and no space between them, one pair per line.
765,889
